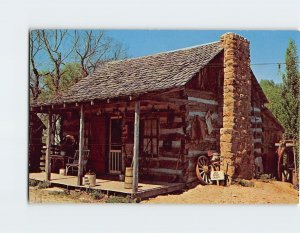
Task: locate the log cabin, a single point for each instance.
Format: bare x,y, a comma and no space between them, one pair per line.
158,113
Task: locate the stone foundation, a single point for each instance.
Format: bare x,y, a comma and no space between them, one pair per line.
236,139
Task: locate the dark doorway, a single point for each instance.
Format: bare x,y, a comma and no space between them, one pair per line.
98,145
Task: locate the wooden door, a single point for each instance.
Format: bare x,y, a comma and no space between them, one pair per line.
98,144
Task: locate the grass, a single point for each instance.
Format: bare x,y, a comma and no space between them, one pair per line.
118,199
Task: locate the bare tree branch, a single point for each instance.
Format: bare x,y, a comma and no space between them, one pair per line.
92,47
35,46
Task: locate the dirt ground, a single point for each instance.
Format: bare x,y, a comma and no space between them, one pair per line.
274,192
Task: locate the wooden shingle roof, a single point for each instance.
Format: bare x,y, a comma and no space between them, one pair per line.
140,75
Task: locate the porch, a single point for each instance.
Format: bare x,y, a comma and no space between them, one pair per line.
145,189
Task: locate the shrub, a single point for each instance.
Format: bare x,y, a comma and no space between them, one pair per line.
33,182
97,195
247,183
43,184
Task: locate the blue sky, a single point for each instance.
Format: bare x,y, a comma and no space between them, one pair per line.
265,46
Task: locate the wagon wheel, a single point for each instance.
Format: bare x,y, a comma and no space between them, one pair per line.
203,169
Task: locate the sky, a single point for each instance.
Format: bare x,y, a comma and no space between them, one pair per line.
265,46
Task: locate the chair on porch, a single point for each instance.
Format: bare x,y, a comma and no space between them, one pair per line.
73,163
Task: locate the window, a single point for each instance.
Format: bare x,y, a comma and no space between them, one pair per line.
150,137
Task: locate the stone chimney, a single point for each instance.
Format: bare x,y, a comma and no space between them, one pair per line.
236,139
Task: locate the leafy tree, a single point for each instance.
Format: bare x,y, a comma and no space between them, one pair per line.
290,92
71,74
273,92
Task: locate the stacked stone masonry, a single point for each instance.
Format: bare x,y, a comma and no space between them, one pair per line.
236,138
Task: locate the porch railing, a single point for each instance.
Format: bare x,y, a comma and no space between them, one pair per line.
115,161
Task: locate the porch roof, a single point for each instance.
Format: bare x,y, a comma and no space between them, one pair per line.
141,75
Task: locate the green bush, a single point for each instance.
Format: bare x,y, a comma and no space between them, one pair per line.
33,182
96,195
247,183
43,184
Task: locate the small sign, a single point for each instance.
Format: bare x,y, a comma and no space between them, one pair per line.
217,175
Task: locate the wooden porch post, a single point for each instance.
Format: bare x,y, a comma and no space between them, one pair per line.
81,145
136,148
48,147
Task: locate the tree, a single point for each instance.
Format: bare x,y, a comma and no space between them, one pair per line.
54,52
54,43
60,58
35,47
94,46
273,92
290,92
71,74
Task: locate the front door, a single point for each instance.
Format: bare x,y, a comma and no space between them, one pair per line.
98,144
115,147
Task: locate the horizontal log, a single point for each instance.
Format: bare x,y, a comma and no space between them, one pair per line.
257,130
202,146
202,108
257,140
191,179
200,94
173,152
176,165
174,144
165,125
191,167
163,171
160,158
207,139
164,120
196,113
195,153
172,137
255,109
204,101
171,131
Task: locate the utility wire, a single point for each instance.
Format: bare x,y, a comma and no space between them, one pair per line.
271,63
253,64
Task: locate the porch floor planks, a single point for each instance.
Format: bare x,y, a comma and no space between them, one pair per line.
145,190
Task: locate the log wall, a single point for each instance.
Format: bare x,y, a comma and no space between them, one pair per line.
198,139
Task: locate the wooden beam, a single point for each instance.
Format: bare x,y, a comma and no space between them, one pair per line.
48,148
204,101
81,145
136,148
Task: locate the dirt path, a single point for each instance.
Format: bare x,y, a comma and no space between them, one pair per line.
274,193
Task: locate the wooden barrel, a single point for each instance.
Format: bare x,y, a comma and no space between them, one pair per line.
89,180
128,177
